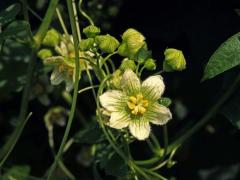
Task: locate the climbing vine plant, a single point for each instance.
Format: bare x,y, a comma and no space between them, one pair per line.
128,104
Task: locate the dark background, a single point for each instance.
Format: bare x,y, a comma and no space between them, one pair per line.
195,27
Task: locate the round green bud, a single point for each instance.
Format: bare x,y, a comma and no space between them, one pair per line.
44,53
86,44
116,79
150,64
52,38
134,39
107,43
91,31
174,60
165,101
127,64
123,50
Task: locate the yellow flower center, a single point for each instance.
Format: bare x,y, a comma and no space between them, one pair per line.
137,104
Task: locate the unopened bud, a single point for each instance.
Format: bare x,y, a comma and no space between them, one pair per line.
86,44
150,64
107,43
52,38
91,31
116,79
44,53
165,101
128,64
174,60
134,39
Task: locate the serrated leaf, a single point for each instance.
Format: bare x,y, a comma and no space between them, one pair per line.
224,58
231,111
9,14
17,172
90,135
14,29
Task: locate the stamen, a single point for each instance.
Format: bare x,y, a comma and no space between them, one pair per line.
137,104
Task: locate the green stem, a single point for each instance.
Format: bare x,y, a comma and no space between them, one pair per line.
75,93
148,161
207,117
155,140
8,147
87,88
62,22
83,13
107,58
151,146
76,20
25,10
165,140
46,22
66,171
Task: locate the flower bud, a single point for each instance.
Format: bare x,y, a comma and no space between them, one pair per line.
150,64
123,50
165,101
134,39
107,43
52,38
116,79
174,60
86,44
44,53
91,31
128,64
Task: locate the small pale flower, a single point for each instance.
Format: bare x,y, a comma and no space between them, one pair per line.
64,63
136,105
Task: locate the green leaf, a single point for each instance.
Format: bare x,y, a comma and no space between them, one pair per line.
143,55
232,111
96,174
14,56
17,172
9,14
90,135
14,29
116,166
224,58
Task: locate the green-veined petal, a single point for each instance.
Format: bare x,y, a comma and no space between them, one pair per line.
153,87
54,60
130,83
119,120
112,100
56,77
158,114
140,128
69,84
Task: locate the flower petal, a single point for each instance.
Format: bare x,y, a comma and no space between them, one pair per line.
56,77
140,128
69,84
153,87
158,114
119,120
130,83
54,60
112,100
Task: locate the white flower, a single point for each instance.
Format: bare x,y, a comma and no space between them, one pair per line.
136,104
64,63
